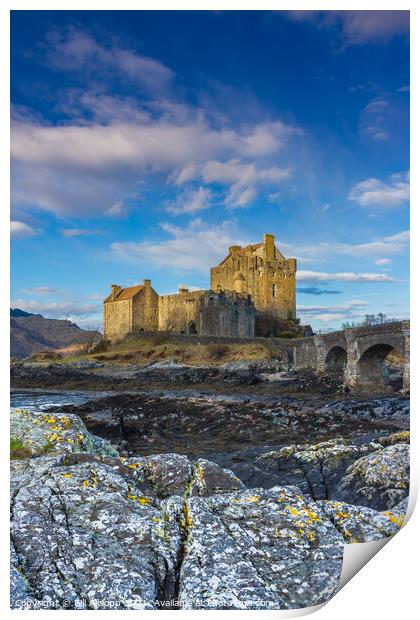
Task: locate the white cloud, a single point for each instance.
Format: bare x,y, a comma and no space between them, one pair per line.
348,276
374,120
241,178
75,50
55,309
116,210
158,144
359,27
194,248
191,202
43,290
374,26
377,194
84,170
383,261
350,310
112,145
79,232
20,230
387,246
328,317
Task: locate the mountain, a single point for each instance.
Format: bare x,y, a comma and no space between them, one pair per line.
16,312
30,333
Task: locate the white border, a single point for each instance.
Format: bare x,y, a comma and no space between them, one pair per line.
388,586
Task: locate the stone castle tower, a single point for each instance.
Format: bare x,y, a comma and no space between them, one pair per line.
262,272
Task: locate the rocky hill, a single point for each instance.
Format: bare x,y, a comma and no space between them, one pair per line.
30,333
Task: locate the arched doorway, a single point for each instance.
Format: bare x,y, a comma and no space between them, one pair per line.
336,359
192,329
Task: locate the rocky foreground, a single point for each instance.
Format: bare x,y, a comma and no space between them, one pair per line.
92,529
235,430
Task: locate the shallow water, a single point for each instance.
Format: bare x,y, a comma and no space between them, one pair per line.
39,400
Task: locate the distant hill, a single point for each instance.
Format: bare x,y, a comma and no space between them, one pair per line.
30,333
16,312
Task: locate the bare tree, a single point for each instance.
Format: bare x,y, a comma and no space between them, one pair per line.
370,319
89,340
163,335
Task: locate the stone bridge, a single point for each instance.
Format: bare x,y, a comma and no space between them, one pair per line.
357,352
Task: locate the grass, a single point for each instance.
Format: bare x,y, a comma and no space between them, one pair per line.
18,450
144,350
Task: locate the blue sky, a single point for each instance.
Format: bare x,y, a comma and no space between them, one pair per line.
145,143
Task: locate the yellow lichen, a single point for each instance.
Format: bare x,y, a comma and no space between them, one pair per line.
342,515
140,499
397,519
199,472
253,498
186,521
293,511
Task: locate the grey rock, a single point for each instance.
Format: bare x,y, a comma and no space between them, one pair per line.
401,437
316,469
175,474
358,524
209,479
258,549
86,364
92,530
88,538
20,594
379,480
393,409
259,366
41,432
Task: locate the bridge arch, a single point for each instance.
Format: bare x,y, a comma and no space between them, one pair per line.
367,348
372,369
336,359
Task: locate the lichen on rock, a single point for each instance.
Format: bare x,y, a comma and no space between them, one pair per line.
259,549
380,480
93,530
359,524
41,433
316,469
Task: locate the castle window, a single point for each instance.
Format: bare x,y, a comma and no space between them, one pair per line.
274,290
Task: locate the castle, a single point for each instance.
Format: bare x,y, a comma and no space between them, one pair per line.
251,284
